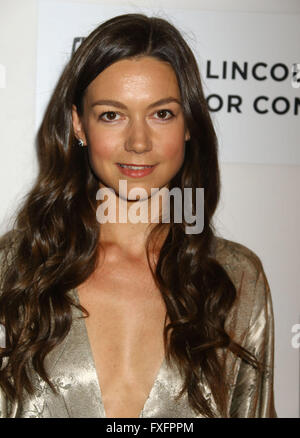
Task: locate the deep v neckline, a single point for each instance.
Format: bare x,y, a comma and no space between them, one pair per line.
92,361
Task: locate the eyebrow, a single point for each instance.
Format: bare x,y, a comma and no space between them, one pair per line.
117,104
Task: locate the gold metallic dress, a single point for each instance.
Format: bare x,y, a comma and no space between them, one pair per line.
71,367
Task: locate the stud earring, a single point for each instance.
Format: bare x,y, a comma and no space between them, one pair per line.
80,142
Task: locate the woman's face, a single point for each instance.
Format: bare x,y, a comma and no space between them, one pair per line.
132,115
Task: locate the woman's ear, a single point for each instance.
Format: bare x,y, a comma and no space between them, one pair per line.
77,126
187,135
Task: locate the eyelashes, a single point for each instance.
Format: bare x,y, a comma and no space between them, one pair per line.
113,113
109,113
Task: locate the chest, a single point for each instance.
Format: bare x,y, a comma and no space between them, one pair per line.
125,331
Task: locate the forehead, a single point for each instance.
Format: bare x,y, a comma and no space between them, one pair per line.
135,77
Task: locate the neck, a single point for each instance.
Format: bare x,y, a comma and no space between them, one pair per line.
128,223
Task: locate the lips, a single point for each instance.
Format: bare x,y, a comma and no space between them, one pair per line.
135,166
135,170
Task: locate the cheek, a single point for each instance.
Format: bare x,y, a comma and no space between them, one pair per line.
174,144
102,145
174,148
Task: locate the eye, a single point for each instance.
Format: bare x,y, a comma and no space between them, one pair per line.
110,116
163,112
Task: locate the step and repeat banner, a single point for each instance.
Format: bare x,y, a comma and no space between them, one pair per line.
249,62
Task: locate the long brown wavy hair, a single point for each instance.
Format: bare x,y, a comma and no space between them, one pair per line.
56,233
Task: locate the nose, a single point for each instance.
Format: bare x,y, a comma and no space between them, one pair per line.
138,137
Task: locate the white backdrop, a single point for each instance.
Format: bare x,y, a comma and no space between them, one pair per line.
260,168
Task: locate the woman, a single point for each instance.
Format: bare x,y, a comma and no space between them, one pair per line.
125,318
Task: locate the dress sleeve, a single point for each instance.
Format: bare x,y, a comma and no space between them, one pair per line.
3,400
3,404
5,257
253,395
